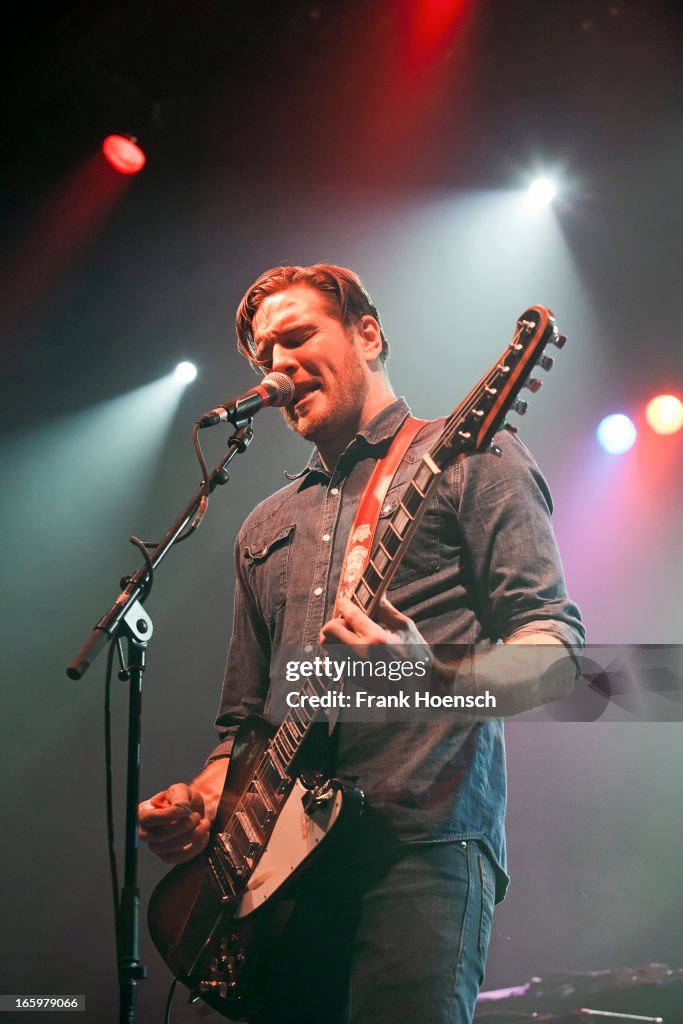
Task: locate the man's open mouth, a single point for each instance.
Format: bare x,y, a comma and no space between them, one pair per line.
304,391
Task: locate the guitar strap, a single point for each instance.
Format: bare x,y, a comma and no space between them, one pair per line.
369,507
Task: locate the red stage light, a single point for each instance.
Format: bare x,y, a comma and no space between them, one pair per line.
124,154
433,25
665,414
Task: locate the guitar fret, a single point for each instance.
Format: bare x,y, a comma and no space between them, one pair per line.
372,579
280,745
295,725
292,734
431,465
287,744
401,523
401,505
299,724
276,763
373,564
286,740
299,720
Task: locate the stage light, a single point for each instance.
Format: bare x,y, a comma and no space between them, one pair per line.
124,154
541,192
185,373
665,414
616,434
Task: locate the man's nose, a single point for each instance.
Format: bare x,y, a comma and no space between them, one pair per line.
283,360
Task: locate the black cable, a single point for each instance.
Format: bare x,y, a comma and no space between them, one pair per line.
167,1011
199,515
142,546
200,458
206,493
109,797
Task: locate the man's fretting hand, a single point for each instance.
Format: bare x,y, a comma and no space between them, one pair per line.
393,631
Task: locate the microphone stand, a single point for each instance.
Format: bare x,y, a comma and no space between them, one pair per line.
127,618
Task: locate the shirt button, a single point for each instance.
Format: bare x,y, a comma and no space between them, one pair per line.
308,648
326,537
335,491
318,591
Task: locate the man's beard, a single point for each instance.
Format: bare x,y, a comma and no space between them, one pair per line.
340,415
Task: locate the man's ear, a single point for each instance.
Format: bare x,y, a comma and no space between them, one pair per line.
370,337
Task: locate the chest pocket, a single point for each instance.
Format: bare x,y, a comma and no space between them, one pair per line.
266,553
422,556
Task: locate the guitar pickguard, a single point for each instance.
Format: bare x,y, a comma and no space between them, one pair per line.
302,824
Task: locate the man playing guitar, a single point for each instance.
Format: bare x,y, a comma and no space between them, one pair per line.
394,925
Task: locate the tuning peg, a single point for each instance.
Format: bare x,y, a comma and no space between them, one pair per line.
520,406
560,340
510,427
533,384
545,362
495,450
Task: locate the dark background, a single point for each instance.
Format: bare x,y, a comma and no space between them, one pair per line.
363,134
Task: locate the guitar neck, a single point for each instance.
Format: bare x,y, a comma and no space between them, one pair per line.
470,427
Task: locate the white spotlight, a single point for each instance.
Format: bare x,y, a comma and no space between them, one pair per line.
185,373
617,433
541,192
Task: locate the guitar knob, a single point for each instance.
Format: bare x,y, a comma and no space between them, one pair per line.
520,406
560,340
533,384
510,427
545,362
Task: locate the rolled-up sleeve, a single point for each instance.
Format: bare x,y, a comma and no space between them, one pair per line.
504,515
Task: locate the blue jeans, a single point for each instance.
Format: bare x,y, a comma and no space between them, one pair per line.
398,940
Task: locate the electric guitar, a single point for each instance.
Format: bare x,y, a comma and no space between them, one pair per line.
216,921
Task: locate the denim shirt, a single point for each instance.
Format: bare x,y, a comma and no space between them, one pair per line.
483,565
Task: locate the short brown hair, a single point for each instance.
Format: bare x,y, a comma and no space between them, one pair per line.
344,289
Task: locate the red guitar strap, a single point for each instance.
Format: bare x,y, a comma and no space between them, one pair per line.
369,507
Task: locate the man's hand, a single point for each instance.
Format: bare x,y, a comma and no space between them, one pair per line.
176,823
394,632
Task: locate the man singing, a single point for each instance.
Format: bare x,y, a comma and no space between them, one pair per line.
395,924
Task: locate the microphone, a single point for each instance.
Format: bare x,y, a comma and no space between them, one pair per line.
275,389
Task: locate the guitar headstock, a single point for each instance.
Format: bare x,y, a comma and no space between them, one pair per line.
484,410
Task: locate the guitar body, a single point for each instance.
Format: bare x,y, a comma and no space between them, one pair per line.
218,928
